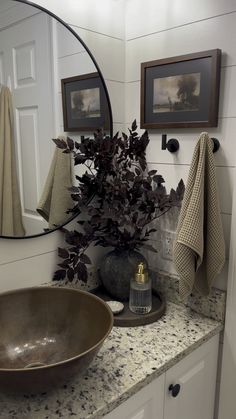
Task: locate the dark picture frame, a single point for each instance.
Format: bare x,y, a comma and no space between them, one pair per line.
84,103
182,91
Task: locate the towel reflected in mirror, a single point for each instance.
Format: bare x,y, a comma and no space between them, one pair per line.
56,197
11,223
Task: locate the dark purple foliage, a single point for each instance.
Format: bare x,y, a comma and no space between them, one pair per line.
119,196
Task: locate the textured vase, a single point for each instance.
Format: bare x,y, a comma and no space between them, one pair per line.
117,269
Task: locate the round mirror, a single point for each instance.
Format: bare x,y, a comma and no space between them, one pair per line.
51,87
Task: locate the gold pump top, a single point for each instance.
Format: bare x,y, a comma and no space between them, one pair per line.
141,275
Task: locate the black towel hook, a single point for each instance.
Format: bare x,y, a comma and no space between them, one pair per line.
172,145
216,144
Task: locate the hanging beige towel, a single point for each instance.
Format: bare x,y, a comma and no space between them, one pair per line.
199,249
56,198
10,207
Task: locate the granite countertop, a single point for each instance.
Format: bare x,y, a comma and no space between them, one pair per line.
129,359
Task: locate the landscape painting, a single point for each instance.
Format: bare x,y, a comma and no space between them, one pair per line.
176,93
181,91
85,103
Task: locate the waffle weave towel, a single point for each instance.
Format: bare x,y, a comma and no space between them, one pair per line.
11,222
199,248
56,197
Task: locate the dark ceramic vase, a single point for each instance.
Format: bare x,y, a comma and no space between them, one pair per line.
117,269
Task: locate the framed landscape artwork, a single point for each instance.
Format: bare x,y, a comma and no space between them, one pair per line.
181,91
84,103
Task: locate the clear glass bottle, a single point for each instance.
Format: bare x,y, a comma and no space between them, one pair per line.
140,299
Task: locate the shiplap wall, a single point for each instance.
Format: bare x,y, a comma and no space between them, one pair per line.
31,262
155,30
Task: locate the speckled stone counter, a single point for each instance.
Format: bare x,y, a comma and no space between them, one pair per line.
129,359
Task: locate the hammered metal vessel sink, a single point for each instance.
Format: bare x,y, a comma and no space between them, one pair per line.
48,335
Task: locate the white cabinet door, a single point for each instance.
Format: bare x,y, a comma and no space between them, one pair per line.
196,375
146,404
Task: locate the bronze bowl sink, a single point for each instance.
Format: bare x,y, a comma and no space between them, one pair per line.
48,335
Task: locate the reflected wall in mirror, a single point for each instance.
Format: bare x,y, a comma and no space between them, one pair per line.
37,51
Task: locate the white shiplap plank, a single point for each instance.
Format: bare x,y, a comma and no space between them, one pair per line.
225,178
226,221
187,140
132,101
116,92
67,43
200,36
75,65
161,15
13,250
106,18
227,106
76,61
118,127
11,12
108,52
221,279
28,272
225,132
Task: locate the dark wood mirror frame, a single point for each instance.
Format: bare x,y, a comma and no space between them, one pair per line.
106,94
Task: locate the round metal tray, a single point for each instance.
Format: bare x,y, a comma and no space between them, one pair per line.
128,319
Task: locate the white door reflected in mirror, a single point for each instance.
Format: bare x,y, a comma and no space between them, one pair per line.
36,53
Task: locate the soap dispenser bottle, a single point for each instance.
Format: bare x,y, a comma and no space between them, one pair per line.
140,300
